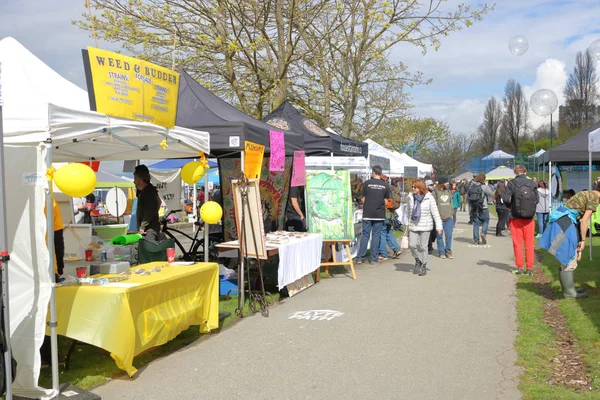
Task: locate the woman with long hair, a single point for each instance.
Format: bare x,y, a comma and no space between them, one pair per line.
501,209
542,209
456,200
423,213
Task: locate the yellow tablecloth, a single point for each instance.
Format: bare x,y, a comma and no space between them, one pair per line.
129,317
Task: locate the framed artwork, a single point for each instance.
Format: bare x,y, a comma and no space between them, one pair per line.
255,228
329,204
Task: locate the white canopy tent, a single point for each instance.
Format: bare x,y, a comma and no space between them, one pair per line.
593,146
354,164
396,165
424,169
45,120
498,154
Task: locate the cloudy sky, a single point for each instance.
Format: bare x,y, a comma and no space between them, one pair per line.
471,65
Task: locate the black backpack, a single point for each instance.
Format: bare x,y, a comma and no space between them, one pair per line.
462,189
523,199
475,198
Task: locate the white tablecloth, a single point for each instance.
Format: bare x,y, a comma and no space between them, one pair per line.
298,257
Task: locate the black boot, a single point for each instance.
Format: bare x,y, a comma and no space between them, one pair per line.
423,270
418,265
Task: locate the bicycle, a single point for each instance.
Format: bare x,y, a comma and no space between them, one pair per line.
193,254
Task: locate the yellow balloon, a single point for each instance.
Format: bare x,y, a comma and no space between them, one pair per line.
211,212
75,180
192,172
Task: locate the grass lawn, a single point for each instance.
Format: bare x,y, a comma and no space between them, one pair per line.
537,341
91,366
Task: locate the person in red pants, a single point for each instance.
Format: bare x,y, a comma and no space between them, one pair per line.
521,197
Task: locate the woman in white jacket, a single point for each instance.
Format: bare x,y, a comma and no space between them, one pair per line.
542,209
423,212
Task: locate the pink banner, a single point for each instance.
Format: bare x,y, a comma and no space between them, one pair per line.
299,170
277,157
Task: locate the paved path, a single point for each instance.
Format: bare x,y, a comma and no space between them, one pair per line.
448,335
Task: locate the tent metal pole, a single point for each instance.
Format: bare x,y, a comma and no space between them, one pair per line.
331,161
4,263
550,183
206,198
50,234
590,183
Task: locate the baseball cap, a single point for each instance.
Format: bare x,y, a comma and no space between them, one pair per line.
428,182
443,180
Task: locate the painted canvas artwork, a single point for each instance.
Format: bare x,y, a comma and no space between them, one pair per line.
328,204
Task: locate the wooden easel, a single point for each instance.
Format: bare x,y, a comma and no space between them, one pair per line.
330,249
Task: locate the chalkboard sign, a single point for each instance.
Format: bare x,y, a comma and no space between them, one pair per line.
383,162
411,172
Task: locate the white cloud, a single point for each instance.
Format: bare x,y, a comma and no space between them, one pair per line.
552,75
462,115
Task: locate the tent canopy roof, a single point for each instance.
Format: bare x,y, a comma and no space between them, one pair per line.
499,173
498,154
574,150
198,108
107,180
539,153
175,163
316,139
39,105
411,162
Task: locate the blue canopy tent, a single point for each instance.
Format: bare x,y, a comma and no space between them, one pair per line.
177,163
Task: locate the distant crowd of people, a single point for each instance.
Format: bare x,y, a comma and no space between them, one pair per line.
432,212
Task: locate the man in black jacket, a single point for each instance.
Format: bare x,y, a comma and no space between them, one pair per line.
148,202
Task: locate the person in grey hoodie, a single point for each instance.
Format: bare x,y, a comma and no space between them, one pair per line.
481,217
542,210
443,200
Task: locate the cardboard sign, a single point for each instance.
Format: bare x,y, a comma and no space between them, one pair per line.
299,169
126,87
277,157
253,157
168,185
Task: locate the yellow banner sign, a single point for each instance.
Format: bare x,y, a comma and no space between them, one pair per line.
126,87
253,158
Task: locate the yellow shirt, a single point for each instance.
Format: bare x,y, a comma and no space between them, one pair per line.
58,221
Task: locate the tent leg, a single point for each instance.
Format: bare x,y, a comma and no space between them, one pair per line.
550,183
590,183
4,266
331,161
50,234
206,198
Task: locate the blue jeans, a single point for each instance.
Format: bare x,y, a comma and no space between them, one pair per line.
482,220
542,221
387,237
368,227
448,228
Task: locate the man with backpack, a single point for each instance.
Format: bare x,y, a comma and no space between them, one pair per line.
521,197
387,233
463,187
479,196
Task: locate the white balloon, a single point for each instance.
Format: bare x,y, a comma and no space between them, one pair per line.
543,102
595,49
518,45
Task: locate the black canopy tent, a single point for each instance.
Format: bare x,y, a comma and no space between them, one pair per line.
574,151
229,127
317,141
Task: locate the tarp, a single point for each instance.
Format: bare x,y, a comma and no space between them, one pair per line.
539,153
500,173
498,154
573,151
198,108
42,110
106,180
316,139
178,163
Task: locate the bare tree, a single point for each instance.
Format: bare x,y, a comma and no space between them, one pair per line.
581,91
449,156
487,132
514,122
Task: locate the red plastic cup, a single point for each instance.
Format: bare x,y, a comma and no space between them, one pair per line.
89,254
171,255
81,272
